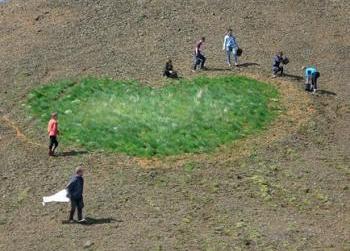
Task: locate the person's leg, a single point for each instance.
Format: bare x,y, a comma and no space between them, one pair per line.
235,56
80,206
195,62
174,74
308,83
314,83
55,144
80,213
203,59
281,70
274,71
228,56
316,86
72,209
51,144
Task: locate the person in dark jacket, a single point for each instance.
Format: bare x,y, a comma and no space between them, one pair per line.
277,66
169,70
75,189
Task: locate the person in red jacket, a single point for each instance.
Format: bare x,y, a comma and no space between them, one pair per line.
53,132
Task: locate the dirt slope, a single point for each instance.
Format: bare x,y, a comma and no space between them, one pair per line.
291,195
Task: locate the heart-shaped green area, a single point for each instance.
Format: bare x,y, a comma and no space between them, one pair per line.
187,116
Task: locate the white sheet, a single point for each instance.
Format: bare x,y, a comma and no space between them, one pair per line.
61,196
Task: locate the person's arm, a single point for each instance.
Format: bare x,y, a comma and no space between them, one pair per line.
56,128
49,127
70,186
225,41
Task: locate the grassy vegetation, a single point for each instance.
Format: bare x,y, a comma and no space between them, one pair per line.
185,116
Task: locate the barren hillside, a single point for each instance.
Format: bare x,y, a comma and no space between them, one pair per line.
290,194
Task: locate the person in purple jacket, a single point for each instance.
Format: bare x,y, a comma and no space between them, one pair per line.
199,58
278,62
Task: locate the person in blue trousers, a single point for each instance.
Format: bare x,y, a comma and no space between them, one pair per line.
231,47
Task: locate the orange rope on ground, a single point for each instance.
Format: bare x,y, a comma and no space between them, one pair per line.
19,134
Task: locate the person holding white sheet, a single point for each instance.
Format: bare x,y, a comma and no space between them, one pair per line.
75,189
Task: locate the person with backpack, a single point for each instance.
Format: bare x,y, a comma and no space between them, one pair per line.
52,129
231,47
199,58
75,189
278,62
311,75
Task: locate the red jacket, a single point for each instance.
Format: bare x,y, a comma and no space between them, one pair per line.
52,127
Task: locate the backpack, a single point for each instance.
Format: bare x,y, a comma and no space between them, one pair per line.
239,52
285,60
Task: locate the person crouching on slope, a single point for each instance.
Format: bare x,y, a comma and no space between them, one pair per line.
53,132
231,47
278,62
75,190
169,70
199,58
311,76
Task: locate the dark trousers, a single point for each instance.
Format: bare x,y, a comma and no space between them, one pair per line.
76,204
199,60
314,81
53,143
170,74
311,82
277,69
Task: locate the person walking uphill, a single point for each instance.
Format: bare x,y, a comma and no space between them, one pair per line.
199,58
53,132
231,47
75,189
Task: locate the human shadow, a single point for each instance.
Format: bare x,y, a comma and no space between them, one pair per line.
324,92
92,221
217,69
294,77
99,221
72,153
245,65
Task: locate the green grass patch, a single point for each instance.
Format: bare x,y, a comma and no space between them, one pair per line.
187,116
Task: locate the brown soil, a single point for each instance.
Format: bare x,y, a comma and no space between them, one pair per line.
284,189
